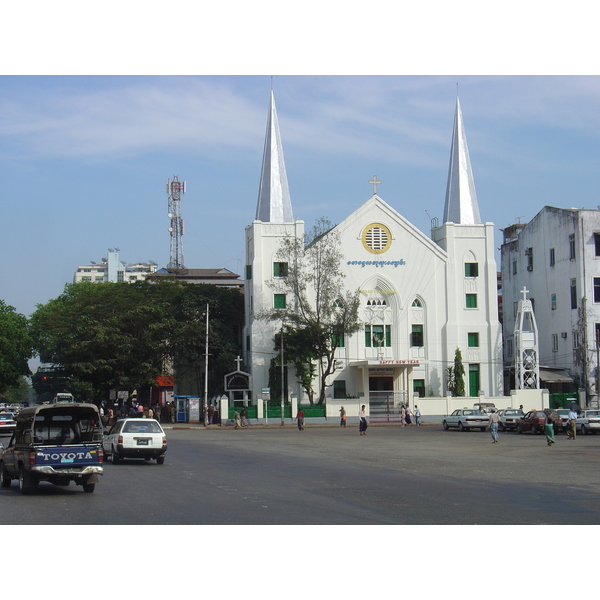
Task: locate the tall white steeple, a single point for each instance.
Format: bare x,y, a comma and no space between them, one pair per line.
461,200
274,203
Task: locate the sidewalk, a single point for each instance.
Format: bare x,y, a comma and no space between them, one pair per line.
288,425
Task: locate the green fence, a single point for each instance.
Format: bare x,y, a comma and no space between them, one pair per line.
274,412
562,400
313,410
251,412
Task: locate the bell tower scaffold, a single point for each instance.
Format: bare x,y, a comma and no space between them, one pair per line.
175,189
527,370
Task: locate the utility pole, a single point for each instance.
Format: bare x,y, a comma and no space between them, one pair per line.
282,378
206,373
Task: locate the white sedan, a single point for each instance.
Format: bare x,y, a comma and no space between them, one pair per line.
466,418
589,421
136,438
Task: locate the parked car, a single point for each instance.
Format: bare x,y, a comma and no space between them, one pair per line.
535,421
589,421
509,418
136,438
7,423
485,407
466,418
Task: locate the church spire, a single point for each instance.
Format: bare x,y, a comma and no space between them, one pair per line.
461,199
274,203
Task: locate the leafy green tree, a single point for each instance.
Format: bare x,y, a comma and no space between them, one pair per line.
459,374
110,335
16,347
319,310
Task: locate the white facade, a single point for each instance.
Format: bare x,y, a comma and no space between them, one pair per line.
421,297
556,256
111,269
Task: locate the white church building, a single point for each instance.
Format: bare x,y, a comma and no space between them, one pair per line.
421,297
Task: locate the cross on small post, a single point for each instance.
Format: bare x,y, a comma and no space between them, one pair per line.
238,360
524,291
375,181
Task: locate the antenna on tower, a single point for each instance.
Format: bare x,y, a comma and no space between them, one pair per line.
174,190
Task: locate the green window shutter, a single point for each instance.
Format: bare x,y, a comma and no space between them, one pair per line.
471,300
471,269
388,336
280,269
473,340
279,301
248,271
417,336
474,380
367,336
338,339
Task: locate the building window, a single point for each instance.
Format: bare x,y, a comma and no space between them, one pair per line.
377,238
572,246
248,343
471,300
377,336
573,293
416,337
419,387
596,289
473,340
514,267
279,301
552,257
474,380
339,388
280,269
576,338
529,255
248,272
337,340
471,269
509,348
555,342
417,303
86,278
597,243
553,301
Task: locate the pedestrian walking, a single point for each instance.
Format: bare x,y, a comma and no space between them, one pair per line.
342,417
300,419
407,415
211,414
417,416
244,419
362,427
572,426
236,419
493,425
549,426
403,416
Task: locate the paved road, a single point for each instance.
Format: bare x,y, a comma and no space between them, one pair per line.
334,476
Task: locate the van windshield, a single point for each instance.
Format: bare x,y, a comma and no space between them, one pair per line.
64,428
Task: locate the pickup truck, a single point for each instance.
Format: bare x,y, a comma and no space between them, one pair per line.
56,443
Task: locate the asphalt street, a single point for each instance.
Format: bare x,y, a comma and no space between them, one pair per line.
333,476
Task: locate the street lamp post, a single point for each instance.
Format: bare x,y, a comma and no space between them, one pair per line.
206,373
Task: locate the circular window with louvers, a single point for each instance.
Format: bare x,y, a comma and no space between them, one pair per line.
377,238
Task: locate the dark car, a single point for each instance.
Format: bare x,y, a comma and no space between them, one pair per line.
535,421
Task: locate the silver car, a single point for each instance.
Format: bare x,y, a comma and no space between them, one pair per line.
589,421
7,423
466,418
508,418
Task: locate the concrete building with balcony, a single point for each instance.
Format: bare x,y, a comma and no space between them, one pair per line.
556,257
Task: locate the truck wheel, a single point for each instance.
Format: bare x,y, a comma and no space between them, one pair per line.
88,488
160,460
26,482
4,478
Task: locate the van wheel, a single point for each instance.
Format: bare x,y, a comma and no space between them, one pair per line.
26,482
4,478
160,460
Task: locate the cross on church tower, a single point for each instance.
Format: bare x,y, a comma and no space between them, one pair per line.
374,181
524,292
238,360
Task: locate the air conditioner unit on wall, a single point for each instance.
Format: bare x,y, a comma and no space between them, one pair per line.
563,335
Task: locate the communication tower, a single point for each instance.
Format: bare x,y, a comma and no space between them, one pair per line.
175,189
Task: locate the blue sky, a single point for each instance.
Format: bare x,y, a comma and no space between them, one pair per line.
84,159
99,108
